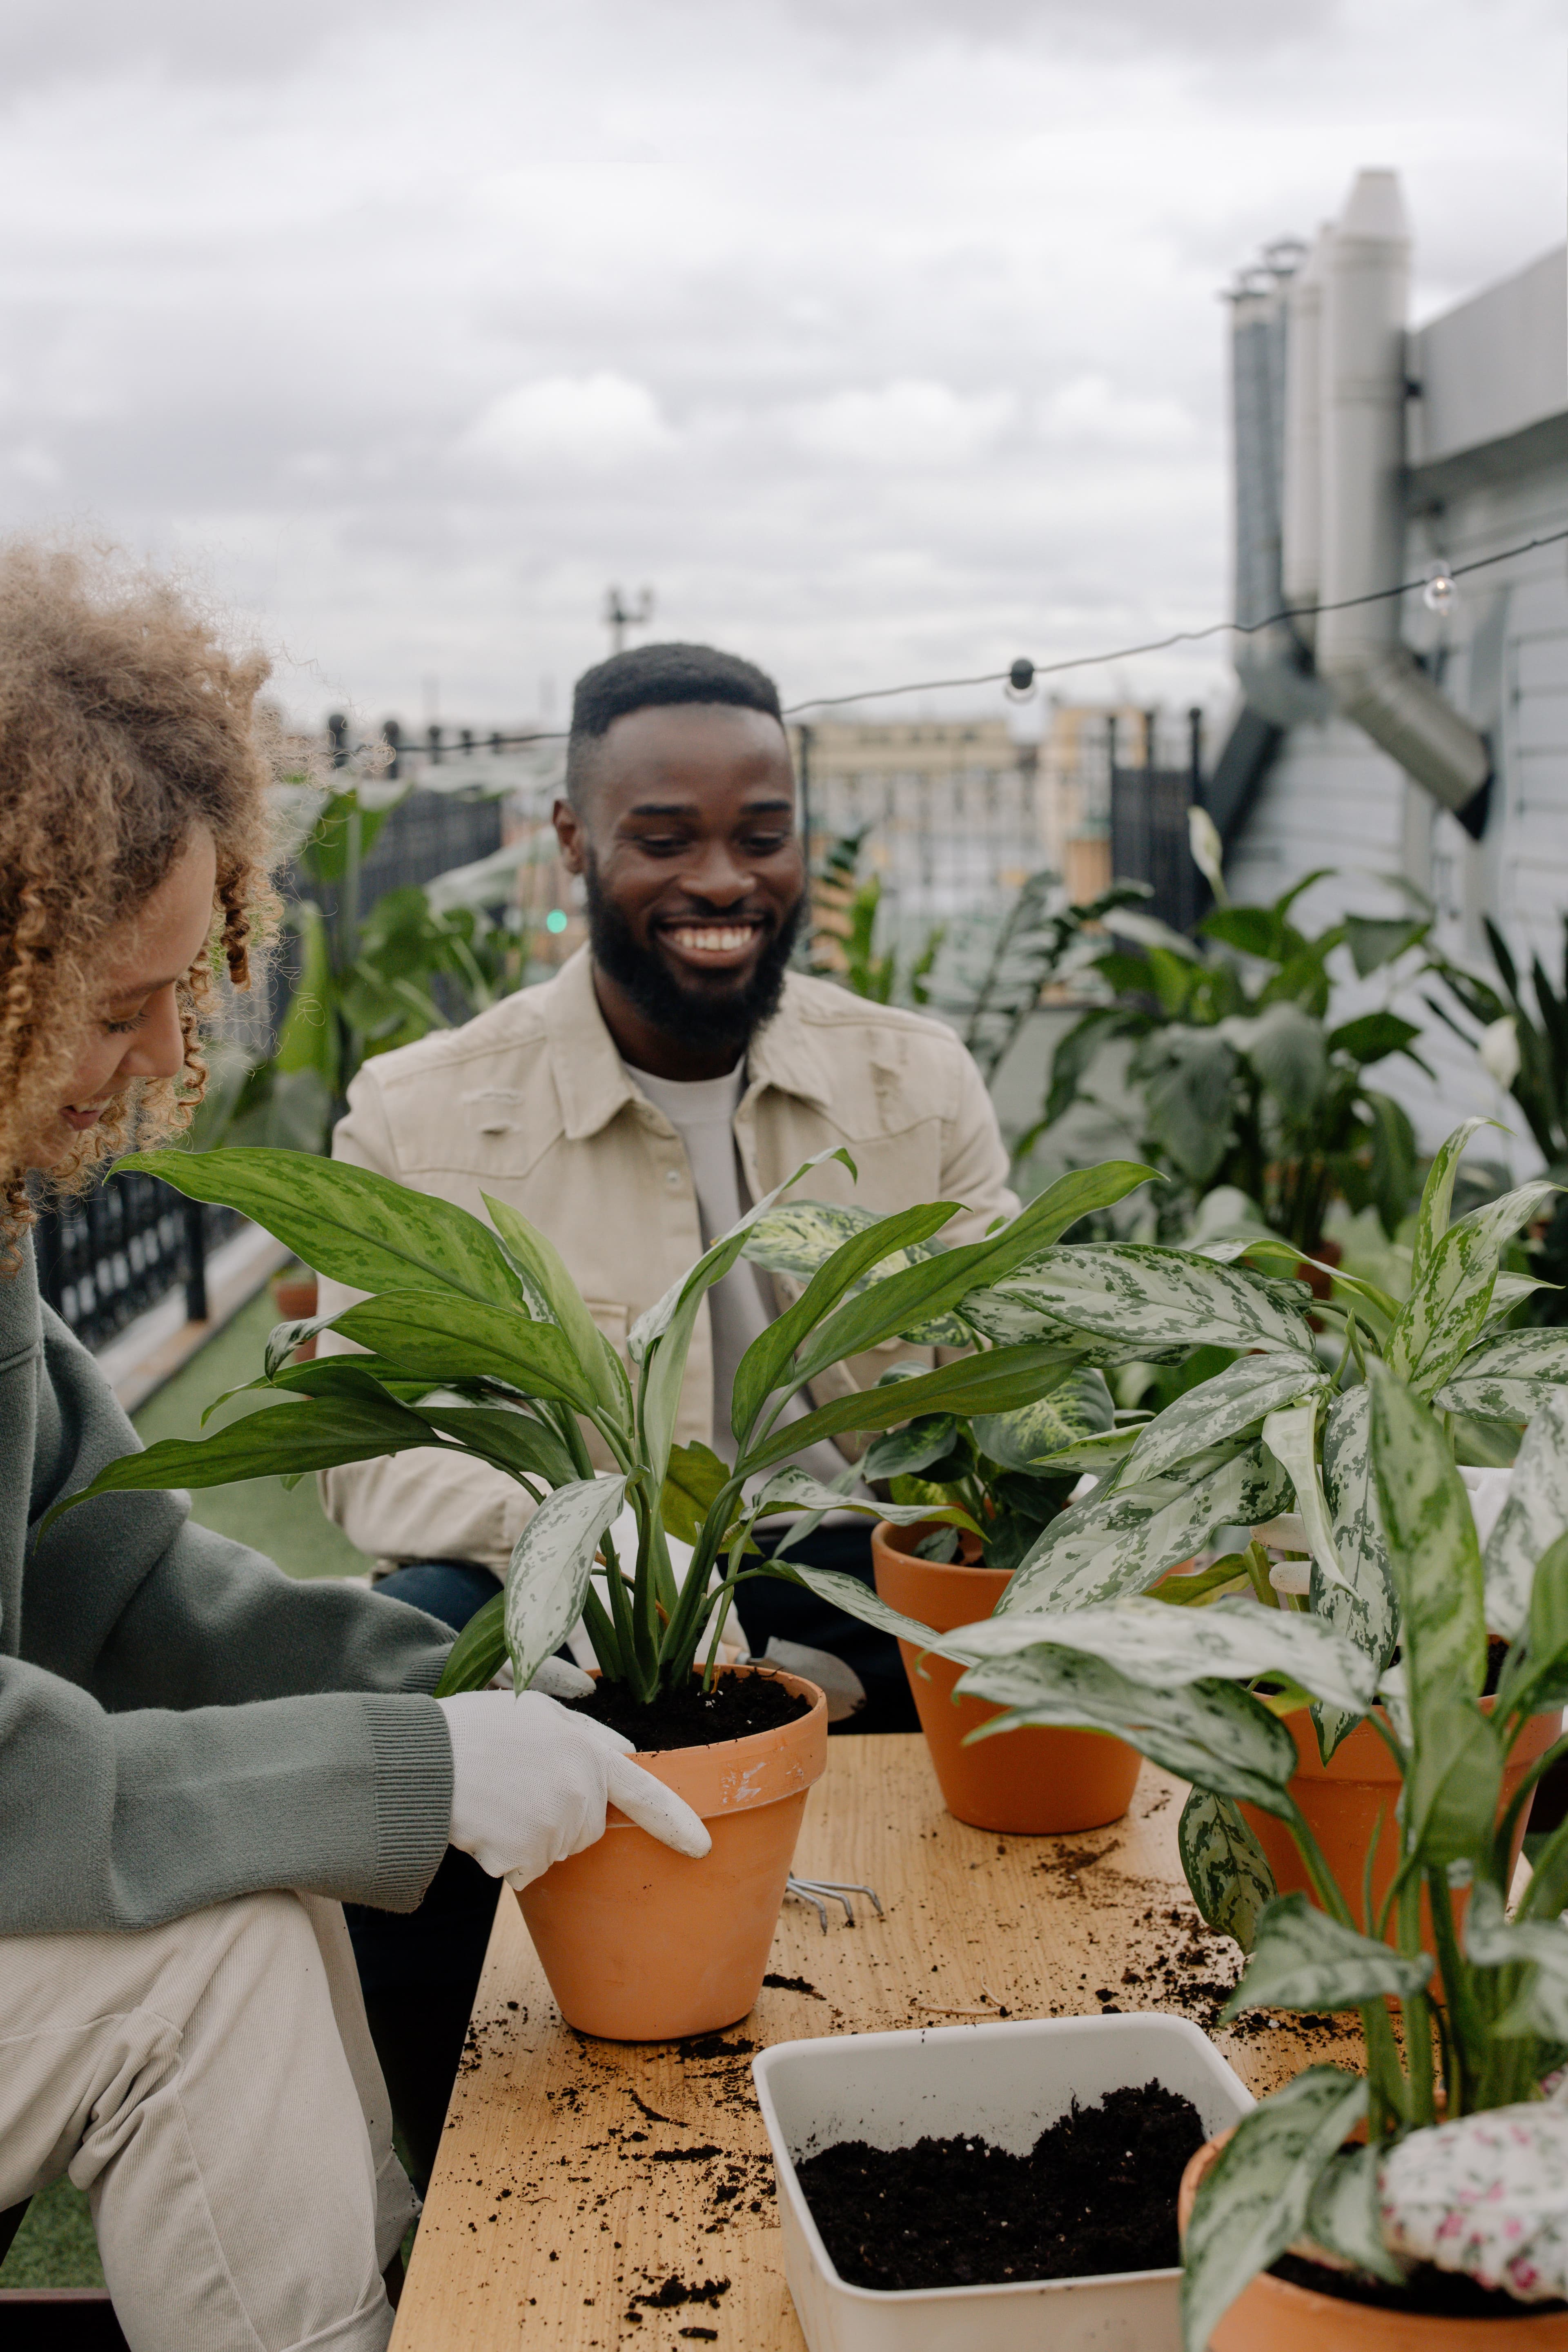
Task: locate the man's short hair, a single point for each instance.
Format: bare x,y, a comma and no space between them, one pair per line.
647,675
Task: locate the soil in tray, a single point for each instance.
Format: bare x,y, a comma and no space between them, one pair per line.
1096,2193
737,1706
1427,2294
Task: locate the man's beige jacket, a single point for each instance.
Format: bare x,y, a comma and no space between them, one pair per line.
530,1102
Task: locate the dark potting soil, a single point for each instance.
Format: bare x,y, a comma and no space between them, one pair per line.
1427,2294
737,1706
1096,2193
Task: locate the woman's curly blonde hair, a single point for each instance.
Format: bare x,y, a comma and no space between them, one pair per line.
125,721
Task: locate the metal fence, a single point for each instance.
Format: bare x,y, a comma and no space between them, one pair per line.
1151,804
107,1258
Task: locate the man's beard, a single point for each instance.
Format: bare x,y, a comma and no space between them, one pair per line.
714,1024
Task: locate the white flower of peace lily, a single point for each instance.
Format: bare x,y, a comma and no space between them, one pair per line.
1499,1050
1208,850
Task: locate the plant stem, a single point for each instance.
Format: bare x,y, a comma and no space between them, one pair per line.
1257,1560
1416,2012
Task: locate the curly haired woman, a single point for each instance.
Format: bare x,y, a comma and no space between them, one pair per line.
200,1761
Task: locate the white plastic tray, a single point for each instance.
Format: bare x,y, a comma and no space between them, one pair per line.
1006,2082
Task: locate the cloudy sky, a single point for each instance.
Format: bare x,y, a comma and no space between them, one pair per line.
881,337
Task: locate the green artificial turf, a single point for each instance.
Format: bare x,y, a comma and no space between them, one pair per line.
55,2245
286,1523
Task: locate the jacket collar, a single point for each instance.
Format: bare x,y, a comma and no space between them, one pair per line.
591,1082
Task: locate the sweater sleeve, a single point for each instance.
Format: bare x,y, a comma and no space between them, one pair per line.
181,1723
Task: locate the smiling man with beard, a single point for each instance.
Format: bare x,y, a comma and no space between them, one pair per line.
674,1071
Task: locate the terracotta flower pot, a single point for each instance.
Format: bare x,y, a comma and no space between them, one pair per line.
1343,1800
1039,1781
643,1944
1271,2315
294,1295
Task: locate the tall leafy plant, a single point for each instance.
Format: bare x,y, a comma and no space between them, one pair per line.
475,1339
1240,1074
1465,2161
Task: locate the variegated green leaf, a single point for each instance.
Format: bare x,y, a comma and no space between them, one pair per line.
1305,1959
1255,2198
1225,1867
1493,1940
858,1601
1531,1519
1437,1196
1345,2219
1214,1734
1136,1294
1233,1404
1027,1437
693,1484
1508,1376
1291,1436
543,1271
799,1236
916,1446
552,1564
1363,1608
1151,1641
1121,1542
1434,1558
797,1490
1099,1456
1510,1290
1449,1303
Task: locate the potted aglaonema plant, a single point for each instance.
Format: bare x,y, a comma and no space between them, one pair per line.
1434,2185
1014,1472
475,1339
1278,1435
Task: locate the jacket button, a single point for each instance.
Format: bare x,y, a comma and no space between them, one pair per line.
672,1178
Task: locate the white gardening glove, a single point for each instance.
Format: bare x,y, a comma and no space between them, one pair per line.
531,1780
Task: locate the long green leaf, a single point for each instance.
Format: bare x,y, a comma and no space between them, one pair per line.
1136,1293
513,1440
544,1262
850,1269
551,1568
1151,1641
478,1655
1540,1947
1507,1375
1305,1959
858,1601
1346,2216
1255,2198
990,1383
1437,1196
936,1287
1116,1543
1433,1555
1235,1401
903,1451
281,1441
796,1490
350,1224
1535,1677
1227,1869
1213,1734
436,1335
692,1483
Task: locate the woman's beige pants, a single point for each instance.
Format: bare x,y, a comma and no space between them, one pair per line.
212,2087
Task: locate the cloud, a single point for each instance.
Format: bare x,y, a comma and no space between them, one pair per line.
1091,412
587,424
913,422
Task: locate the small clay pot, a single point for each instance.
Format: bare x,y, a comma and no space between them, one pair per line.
1039,1782
294,1295
1272,2314
1343,1800
643,1944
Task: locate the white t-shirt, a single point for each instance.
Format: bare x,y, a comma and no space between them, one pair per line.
702,1113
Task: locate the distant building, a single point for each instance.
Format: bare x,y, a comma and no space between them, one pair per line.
1423,736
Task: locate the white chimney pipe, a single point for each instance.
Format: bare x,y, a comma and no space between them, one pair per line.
1375,680
1301,533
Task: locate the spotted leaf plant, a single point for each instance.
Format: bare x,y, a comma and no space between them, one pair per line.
1465,2159
472,1339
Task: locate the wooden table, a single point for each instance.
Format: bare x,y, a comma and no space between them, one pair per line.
593,2194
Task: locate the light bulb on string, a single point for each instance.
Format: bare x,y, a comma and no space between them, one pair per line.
1438,595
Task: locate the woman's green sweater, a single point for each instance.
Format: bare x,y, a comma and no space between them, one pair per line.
181,1723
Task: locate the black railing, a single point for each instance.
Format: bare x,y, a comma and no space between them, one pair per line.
1150,835
105,1258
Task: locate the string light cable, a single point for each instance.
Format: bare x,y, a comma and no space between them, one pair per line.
1434,587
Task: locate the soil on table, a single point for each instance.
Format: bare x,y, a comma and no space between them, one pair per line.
1427,2294
1096,2193
736,1706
